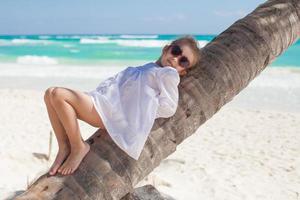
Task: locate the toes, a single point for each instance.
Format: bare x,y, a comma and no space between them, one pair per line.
61,170
66,171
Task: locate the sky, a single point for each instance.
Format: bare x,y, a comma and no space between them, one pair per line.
121,16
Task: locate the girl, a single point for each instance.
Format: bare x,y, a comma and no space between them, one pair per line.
125,105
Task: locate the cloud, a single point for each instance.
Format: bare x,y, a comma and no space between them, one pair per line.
224,13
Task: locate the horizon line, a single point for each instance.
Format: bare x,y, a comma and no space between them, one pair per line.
109,34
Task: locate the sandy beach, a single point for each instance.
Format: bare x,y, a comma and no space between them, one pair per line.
248,150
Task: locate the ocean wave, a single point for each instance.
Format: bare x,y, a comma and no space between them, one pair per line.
142,43
98,40
36,60
128,43
139,36
150,43
132,43
45,37
68,37
81,37
29,41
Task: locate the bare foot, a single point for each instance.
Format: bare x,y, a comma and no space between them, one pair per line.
74,159
60,158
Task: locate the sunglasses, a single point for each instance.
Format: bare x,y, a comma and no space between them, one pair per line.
177,51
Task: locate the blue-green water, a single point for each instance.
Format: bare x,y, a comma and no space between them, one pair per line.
99,49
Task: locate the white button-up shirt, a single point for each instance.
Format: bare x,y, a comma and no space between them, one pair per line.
129,102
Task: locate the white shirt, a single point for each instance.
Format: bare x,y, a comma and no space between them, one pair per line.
129,102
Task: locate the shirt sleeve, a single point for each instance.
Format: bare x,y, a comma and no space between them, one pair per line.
168,80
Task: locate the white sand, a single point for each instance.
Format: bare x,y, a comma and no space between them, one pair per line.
248,150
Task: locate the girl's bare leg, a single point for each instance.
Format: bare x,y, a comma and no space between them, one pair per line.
70,105
60,133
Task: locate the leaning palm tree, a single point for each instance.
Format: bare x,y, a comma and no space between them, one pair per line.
228,64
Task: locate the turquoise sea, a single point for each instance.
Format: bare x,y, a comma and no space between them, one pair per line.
101,49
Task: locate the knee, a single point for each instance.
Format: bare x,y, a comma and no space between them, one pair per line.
57,94
48,94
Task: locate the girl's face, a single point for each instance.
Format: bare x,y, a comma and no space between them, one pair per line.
180,57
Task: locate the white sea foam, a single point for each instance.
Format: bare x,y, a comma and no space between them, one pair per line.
98,40
142,43
101,37
68,37
29,41
36,60
81,37
139,36
132,43
129,43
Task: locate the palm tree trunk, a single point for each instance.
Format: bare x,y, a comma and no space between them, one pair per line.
228,64
144,193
